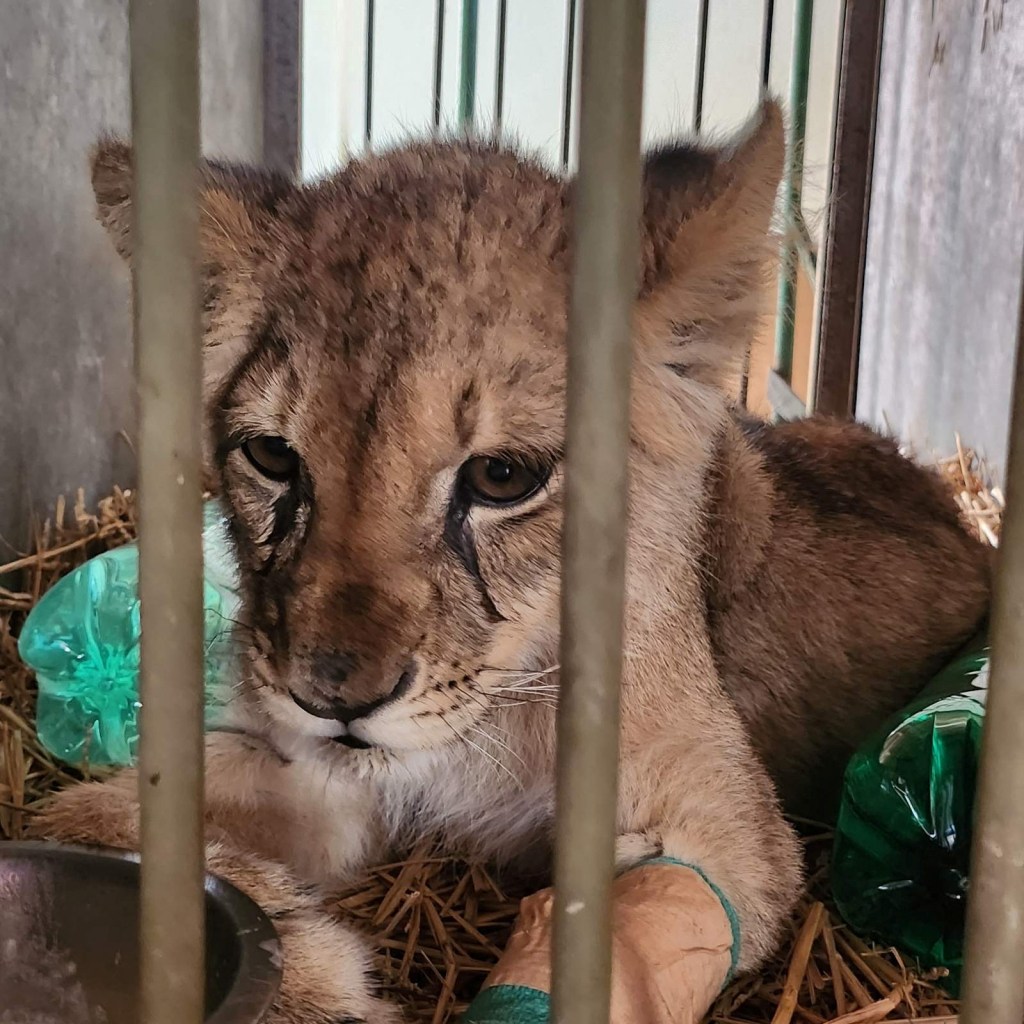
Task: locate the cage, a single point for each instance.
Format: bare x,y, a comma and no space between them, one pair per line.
327,91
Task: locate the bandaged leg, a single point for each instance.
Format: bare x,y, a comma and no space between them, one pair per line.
675,942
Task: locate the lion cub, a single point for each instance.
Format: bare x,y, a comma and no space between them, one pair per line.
385,382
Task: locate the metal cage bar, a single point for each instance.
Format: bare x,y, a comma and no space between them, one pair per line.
767,31
606,220
439,13
499,66
368,98
568,82
767,27
282,84
993,990
833,389
703,18
165,128
467,63
803,16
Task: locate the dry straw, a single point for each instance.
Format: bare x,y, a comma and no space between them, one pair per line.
439,923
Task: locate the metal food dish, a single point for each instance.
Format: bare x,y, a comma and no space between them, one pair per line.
69,905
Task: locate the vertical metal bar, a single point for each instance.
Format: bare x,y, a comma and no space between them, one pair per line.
793,187
567,85
767,26
703,17
606,219
165,127
499,74
368,91
837,334
282,85
438,60
467,69
993,990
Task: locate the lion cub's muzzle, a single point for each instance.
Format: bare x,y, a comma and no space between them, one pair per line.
343,704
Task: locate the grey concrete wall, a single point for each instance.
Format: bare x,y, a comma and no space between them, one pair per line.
66,387
946,226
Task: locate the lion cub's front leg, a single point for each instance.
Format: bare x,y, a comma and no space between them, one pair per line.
326,964
303,813
692,789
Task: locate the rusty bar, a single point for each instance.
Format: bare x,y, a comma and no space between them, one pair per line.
606,218
833,389
165,128
993,990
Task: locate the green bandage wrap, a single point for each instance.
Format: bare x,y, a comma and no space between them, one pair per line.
509,1004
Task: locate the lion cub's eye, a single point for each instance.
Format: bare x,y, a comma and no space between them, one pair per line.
502,479
272,456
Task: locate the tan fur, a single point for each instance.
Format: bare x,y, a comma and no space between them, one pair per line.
841,581
408,314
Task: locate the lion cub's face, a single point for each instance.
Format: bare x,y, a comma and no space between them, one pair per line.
395,477
385,380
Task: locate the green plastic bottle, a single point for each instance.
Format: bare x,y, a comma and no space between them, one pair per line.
82,641
903,838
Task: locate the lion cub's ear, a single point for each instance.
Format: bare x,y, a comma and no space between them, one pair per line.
235,206
238,221
706,249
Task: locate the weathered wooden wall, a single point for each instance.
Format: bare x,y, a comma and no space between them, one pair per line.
946,227
66,388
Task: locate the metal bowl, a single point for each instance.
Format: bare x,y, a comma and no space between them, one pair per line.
70,905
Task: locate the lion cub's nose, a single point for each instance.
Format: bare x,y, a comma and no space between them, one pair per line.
346,712
333,667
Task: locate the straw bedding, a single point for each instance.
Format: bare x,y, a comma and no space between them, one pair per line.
440,923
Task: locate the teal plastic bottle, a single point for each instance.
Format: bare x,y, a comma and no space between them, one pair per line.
903,838
82,642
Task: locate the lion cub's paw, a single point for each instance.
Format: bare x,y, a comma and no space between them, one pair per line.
326,976
326,964
93,813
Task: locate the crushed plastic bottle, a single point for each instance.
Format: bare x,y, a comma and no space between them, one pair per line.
82,641
903,838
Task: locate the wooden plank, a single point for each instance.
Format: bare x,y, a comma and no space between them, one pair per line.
942,274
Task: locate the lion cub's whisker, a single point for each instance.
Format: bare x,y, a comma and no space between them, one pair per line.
497,742
522,671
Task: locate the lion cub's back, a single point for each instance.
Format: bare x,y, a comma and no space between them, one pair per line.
865,584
